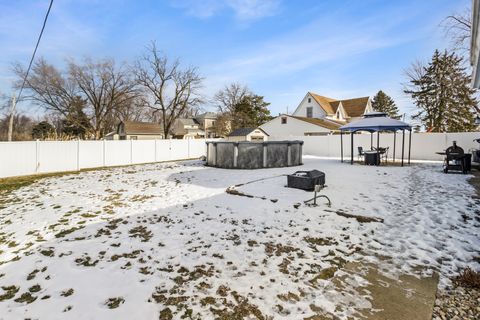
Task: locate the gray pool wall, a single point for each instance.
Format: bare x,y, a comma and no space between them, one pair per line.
254,155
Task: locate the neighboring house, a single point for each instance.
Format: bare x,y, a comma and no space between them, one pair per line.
199,126
343,111
187,128
134,130
248,134
318,115
286,125
207,123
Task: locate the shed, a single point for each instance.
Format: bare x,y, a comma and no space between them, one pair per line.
248,134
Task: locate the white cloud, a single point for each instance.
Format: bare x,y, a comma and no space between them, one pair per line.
243,9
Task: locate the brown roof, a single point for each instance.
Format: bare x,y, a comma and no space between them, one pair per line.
324,102
353,107
135,127
320,122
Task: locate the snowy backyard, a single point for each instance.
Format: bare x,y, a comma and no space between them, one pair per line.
167,240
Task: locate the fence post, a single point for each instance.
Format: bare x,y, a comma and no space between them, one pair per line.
131,151
170,149
155,150
37,151
78,154
104,162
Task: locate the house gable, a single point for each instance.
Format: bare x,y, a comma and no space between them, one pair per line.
339,114
356,107
309,101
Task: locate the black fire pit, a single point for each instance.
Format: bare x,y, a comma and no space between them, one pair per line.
306,180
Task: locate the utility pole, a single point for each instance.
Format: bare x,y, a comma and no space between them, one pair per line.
12,115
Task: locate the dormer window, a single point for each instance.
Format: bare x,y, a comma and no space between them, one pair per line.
284,120
309,112
338,114
309,100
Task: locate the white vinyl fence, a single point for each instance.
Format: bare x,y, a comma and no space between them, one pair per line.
34,157
424,145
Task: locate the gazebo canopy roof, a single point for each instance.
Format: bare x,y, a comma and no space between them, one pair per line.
376,121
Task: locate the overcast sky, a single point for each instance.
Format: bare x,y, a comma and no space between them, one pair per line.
280,49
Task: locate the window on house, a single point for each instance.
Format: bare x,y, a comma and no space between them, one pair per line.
309,112
338,114
284,120
309,100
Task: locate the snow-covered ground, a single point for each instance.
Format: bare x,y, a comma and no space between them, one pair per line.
164,240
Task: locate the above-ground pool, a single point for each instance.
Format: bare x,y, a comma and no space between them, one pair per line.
254,155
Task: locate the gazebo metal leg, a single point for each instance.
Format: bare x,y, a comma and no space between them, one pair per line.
341,146
378,147
403,144
351,150
394,143
409,145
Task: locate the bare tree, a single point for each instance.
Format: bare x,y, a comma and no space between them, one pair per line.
22,127
458,28
47,86
415,71
229,96
106,88
172,91
4,103
135,109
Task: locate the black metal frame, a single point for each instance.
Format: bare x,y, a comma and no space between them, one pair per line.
378,143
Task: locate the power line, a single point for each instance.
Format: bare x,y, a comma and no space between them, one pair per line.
35,51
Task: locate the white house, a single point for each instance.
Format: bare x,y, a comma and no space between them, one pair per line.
342,111
287,125
318,115
248,134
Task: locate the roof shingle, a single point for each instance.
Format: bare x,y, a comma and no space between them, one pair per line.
136,127
330,125
353,107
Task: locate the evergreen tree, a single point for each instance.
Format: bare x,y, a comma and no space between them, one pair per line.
383,103
43,130
76,123
251,111
443,94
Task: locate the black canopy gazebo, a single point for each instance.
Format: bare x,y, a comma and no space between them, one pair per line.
376,122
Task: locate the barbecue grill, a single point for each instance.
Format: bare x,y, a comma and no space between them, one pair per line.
476,153
456,159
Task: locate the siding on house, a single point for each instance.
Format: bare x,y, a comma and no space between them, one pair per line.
317,110
293,127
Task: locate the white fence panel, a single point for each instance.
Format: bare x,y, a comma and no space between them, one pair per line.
179,149
118,153
90,154
55,156
31,157
424,145
143,151
197,148
163,150
17,158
